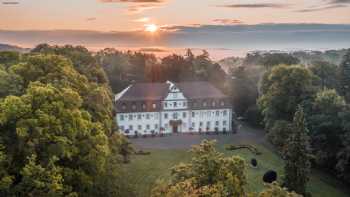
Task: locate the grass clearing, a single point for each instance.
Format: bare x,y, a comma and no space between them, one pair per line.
143,171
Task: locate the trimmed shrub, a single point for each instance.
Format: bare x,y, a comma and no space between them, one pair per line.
254,162
270,176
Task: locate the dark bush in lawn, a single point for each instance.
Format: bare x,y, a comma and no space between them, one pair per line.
270,176
141,152
254,162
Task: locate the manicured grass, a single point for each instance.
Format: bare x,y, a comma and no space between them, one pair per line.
145,170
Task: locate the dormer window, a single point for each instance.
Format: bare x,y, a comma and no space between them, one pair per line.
133,107
222,103
175,104
143,106
154,106
194,104
124,106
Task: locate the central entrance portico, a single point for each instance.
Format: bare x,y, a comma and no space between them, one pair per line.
175,125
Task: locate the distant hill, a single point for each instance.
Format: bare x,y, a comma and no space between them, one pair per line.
7,47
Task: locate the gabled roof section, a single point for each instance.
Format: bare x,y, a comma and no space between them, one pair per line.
159,91
199,90
145,91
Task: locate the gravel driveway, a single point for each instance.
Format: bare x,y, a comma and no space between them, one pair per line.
246,134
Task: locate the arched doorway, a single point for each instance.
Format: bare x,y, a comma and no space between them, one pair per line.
175,125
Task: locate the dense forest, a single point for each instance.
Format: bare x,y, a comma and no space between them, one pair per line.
268,88
58,137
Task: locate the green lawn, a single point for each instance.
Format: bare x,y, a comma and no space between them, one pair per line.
145,170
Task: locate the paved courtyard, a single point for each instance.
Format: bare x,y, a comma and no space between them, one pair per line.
246,134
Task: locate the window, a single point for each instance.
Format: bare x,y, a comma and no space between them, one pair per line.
175,115
184,104
224,123
156,126
127,131
139,127
194,104
165,104
147,116
130,127
208,124
154,106
175,104
193,124
184,114
139,116
208,113
222,103
124,106
133,107
130,116
200,124
217,113
148,127
143,106
216,123
224,112
166,116
193,114
121,117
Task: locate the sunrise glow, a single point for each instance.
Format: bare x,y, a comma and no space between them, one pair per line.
151,28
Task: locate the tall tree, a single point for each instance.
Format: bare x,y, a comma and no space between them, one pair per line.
273,59
344,77
297,166
208,174
326,73
284,88
325,124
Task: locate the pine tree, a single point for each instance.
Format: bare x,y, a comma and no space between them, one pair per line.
344,76
297,166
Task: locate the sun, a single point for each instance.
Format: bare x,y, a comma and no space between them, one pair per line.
151,28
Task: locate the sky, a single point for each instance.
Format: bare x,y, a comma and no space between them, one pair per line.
177,23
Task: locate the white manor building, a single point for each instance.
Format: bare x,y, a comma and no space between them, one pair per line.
187,107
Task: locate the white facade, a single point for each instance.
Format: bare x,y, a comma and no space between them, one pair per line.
176,116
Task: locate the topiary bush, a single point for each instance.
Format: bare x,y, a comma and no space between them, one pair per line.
270,176
254,162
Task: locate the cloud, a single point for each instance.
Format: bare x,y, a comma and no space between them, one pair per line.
137,6
327,5
91,19
131,1
153,50
141,7
255,5
226,21
10,2
316,9
339,2
142,20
